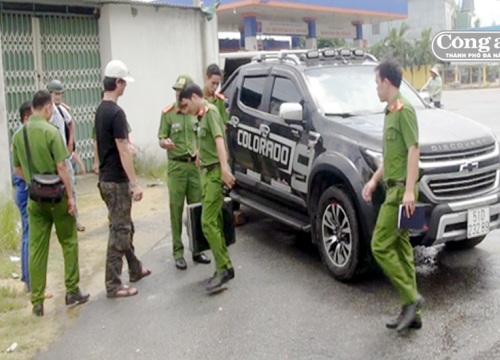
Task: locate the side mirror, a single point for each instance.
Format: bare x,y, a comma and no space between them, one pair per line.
291,113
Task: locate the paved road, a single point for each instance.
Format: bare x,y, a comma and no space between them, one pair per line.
284,305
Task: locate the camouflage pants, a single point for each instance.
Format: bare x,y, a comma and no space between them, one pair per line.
118,199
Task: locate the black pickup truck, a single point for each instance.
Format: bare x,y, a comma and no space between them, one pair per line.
305,135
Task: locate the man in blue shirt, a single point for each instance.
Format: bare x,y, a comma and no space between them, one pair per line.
21,197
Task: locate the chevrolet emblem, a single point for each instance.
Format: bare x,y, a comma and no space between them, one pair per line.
469,166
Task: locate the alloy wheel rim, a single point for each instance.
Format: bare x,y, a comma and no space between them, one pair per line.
337,234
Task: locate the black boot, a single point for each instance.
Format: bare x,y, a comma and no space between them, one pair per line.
409,315
201,259
393,324
38,310
219,279
76,298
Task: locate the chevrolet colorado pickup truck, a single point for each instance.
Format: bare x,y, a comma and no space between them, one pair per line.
305,135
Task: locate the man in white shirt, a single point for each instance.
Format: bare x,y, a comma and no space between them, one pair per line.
62,119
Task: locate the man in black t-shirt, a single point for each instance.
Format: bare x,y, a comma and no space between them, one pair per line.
117,181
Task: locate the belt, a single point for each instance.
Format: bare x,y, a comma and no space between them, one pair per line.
185,158
392,183
210,167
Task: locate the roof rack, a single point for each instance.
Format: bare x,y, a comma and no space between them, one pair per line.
281,56
308,57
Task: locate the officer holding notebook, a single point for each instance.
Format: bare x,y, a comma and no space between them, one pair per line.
390,246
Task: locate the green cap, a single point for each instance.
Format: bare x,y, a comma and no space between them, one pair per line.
181,82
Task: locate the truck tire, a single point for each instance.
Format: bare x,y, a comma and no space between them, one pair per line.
464,244
337,233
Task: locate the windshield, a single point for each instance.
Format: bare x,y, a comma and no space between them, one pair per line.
351,90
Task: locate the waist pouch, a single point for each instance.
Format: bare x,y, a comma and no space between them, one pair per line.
46,188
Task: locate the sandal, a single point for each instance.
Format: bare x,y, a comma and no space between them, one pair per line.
144,272
123,291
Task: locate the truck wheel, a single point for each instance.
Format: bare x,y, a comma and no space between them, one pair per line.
464,244
338,238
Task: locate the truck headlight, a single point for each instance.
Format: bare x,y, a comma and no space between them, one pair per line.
373,158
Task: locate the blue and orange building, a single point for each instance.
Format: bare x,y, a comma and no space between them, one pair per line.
305,18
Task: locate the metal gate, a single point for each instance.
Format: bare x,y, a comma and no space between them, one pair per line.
39,48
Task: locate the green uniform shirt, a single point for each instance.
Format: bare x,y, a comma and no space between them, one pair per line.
218,101
219,104
400,133
181,129
211,126
47,147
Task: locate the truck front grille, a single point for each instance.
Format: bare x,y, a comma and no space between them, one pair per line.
458,155
463,186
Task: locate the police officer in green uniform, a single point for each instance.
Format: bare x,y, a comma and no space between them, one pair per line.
215,172
213,78
177,134
390,246
48,154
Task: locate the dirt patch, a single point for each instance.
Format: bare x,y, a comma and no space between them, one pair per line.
151,218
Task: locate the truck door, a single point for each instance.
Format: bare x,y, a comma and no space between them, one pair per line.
244,128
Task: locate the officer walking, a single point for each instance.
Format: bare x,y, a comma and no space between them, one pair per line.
215,172
390,246
117,182
62,119
177,134
213,78
48,155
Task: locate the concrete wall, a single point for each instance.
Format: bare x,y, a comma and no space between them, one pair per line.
157,44
5,174
434,14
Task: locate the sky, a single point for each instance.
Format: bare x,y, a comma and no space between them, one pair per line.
488,11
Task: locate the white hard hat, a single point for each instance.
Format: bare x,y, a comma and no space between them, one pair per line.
435,70
117,69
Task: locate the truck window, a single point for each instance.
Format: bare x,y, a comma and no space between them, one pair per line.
284,90
252,90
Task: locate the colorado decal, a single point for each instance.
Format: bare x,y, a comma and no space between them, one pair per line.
274,147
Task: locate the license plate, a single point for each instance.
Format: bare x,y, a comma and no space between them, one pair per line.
478,222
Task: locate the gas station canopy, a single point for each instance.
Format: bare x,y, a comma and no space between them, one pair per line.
332,18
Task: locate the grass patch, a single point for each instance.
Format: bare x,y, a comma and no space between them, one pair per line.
10,238
9,233
11,299
150,166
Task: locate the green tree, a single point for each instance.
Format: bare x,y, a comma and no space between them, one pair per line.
423,53
331,43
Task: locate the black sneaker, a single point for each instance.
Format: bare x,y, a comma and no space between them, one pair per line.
76,298
38,310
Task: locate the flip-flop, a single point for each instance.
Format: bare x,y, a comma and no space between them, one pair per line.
144,272
123,291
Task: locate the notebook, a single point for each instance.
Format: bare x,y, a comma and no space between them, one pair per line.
416,221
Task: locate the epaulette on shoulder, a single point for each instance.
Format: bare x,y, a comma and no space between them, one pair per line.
220,96
397,106
66,106
167,109
203,111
